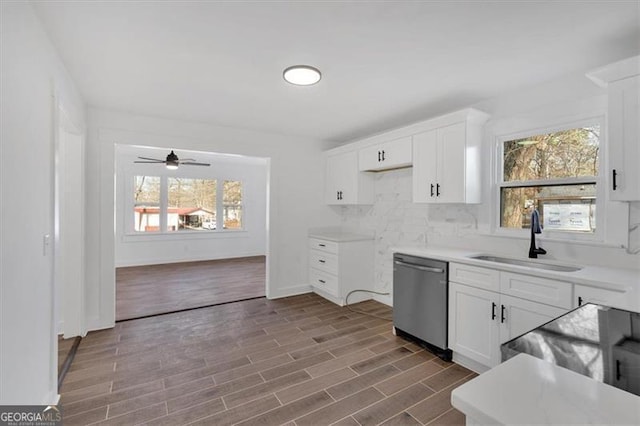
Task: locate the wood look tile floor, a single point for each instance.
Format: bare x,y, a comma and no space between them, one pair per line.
296,361
155,289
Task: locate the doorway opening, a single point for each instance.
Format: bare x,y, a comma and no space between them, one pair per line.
188,237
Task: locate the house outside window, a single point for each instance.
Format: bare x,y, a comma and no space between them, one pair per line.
555,172
191,204
146,204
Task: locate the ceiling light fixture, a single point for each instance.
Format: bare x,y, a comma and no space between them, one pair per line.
172,161
302,75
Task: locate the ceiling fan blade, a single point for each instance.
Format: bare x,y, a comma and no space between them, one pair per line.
195,164
153,159
150,162
187,159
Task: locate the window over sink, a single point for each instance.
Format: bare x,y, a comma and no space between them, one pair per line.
556,171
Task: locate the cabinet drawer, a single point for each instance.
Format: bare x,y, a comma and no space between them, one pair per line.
324,261
543,290
324,281
488,279
323,245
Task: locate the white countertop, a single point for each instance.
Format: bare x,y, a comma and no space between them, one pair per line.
340,237
596,276
528,390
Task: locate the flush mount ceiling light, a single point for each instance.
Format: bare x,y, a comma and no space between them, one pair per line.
302,75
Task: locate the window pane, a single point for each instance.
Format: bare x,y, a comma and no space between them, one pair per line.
568,153
146,204
191,204
561,207
232,203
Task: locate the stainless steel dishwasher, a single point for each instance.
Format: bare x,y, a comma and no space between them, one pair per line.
420,301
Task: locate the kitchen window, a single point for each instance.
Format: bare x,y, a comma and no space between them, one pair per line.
556,172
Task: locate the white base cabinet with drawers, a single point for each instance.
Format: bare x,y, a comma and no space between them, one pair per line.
337,268
488,307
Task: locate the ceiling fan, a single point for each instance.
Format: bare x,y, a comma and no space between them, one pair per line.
172,161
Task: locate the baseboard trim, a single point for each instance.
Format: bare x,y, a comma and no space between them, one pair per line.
151,262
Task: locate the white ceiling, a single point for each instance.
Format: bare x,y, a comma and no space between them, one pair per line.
384,64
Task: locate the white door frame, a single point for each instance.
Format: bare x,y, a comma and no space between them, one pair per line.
69,209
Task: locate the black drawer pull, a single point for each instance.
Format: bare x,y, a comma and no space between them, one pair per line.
321,261
322,245
493,310
502,318
437,190
579,300
615,175
322,281
618,375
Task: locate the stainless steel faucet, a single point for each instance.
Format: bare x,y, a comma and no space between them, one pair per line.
535,229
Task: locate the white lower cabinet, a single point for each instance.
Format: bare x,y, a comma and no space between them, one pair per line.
480,320
337,268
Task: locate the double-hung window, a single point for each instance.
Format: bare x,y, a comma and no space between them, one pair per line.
555,172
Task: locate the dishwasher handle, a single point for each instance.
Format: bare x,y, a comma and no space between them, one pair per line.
420,267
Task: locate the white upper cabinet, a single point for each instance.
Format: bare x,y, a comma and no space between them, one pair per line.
389,155
622,79
446,161
344,184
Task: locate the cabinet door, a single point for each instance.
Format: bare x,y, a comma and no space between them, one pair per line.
518,316
342,179
425,167
624,139
451,164
601,296
370,158
396,153
473,323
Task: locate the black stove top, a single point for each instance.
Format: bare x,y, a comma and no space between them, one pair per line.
597,341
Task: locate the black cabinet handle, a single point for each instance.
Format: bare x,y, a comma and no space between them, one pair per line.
322,281
322,245
383,155
493,311
378,156
618,375
437,190
502,318
341,195
615,175
432,190
321,261
579,300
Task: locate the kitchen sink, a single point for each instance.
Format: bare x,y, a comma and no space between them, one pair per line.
528,263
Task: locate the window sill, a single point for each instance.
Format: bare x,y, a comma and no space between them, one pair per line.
183,235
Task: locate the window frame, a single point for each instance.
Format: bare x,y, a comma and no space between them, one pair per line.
599,180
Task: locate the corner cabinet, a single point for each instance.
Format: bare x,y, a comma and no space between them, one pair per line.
338,267
389,155
344,184
446,160
622,79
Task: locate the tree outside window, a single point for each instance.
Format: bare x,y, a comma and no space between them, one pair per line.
555,173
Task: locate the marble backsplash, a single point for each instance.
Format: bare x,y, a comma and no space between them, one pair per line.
396,221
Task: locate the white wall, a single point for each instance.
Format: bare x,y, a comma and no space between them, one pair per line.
152,248
296,181
397,221
31,74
